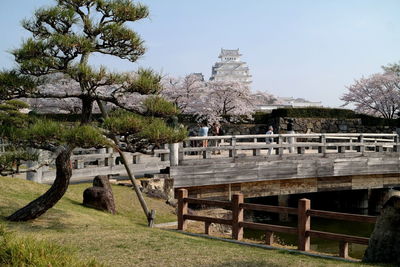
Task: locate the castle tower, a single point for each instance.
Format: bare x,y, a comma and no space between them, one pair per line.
230,68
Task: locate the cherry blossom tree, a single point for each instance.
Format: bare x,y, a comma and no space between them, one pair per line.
378,95
213,99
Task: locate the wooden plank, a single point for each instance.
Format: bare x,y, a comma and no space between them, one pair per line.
269,208
270,227
213,203
342,216
207,219
339,237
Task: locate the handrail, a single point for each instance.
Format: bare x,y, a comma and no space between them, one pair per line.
214,203
269,208
299,135
314,143
303,212
341,216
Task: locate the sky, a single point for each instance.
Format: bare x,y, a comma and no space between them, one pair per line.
311,49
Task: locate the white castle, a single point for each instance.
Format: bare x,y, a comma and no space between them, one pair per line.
230,68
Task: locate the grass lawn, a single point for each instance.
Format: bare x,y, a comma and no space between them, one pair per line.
124,239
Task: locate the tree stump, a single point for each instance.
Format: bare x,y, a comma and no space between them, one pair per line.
384,243
100,195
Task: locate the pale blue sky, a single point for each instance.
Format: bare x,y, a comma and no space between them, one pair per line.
298,48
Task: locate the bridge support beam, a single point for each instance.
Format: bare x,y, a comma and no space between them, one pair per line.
283,201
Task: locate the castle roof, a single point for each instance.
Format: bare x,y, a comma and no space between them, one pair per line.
229,52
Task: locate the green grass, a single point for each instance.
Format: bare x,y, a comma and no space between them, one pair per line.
27,251
124,239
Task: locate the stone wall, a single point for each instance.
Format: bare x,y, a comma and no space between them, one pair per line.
304,125
331,125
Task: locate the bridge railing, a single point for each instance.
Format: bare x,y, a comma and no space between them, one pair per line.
303,212
279,144
87,163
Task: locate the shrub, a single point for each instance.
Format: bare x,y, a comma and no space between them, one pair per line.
16,251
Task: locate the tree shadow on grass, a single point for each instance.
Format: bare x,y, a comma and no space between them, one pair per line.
244,263
74,202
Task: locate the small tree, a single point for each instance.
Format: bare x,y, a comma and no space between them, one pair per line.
63,39
378,94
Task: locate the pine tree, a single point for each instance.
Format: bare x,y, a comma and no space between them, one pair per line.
63,39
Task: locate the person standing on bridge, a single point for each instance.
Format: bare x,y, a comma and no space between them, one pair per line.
269,140
216,130
204,132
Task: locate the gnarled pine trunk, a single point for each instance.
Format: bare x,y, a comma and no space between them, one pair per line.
46,201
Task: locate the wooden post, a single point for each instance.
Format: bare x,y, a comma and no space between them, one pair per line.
136,159
207,228
232,152
301,150
396,147
343,249
180,152
322,148
379,148
206,154
110,161
182,209
279,151
269,238
174,154
361,148
303,224
237,217
256,152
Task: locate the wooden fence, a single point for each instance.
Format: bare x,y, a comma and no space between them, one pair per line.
303,212
288,144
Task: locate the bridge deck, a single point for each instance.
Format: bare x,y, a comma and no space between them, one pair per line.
312,165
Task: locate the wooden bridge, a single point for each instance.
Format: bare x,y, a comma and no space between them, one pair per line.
292,163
